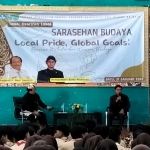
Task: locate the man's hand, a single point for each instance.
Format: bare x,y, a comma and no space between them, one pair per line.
118,98
36,113
49,108
121,111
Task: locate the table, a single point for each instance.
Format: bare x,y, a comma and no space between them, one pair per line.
73,118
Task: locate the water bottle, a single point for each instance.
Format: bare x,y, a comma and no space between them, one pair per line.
63,107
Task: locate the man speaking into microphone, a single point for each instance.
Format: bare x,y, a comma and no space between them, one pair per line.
119,105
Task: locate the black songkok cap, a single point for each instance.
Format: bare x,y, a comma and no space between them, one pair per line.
51,57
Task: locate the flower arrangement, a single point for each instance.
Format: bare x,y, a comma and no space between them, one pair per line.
76,107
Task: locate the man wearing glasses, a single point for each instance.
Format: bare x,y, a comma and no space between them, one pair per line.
119,105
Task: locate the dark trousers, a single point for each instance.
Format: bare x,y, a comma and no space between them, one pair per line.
110,118
41,118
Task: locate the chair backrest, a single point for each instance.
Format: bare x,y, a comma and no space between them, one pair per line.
17,101
18,105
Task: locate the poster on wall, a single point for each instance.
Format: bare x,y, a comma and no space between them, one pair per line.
72,48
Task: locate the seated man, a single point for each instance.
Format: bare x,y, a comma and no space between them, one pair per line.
119,105
31,102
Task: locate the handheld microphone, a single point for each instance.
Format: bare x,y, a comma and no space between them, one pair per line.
120,97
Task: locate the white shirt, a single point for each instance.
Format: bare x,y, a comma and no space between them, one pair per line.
19,145
121,147
68,145
59,142
13,73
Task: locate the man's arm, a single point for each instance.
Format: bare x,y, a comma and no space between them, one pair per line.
41,104
126,108
61,74
41,78
112,103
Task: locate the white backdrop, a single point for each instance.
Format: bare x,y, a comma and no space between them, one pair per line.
96,62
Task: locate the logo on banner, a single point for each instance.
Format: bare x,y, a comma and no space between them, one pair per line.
9,17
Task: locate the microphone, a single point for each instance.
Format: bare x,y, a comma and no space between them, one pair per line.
119,95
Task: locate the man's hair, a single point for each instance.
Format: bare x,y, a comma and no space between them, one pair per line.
10,132
114,134
147,129
64,129
33,125
31,131
50,57
3,131
80,124
102,130
90,124
79,148
47,131
118,86
137,132
140,128
15,57
20,132
77,131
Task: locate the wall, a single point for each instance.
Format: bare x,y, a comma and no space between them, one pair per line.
96,98
78,2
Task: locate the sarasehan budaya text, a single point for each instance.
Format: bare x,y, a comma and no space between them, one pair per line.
91,32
